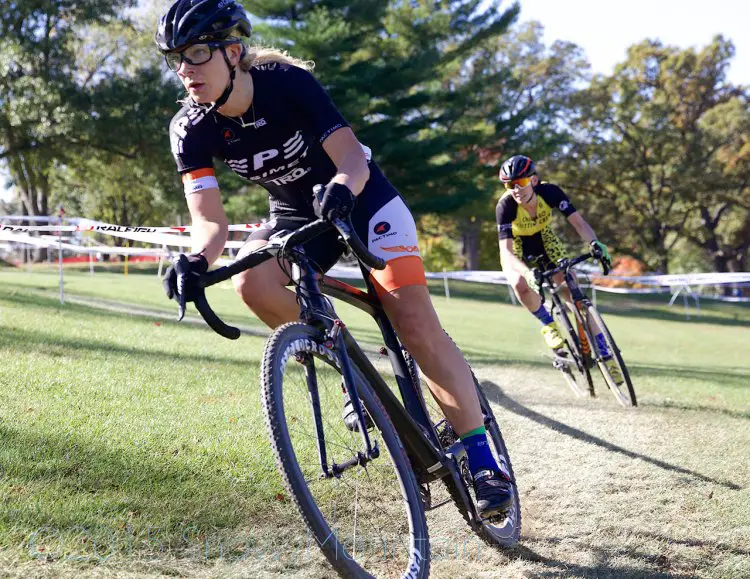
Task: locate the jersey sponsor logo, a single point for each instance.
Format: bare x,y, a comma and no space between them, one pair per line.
293,145
402,249
381,228
292,176
563,205
237,165
260,158
260,123
330,131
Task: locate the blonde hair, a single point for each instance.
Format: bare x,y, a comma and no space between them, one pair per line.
259,55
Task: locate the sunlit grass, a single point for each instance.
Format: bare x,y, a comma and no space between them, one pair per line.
133,444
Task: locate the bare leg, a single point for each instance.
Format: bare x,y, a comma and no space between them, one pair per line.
527,296
411,312
263,289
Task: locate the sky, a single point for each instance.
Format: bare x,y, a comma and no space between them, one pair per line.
605,29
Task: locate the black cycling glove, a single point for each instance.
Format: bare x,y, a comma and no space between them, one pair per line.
337,202
192,267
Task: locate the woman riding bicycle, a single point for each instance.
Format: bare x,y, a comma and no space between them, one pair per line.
524,214
266,116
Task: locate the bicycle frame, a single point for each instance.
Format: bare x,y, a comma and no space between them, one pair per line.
576,293
409,416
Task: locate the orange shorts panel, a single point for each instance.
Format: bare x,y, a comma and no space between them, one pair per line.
400,272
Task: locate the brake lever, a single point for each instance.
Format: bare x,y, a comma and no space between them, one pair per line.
182,267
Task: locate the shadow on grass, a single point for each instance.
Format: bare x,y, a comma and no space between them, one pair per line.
130,499
732,377
662,566
563,568
496,394
31,340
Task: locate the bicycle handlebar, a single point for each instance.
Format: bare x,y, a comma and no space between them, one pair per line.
294,239
565,264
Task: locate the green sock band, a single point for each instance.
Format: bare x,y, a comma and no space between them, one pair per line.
480,430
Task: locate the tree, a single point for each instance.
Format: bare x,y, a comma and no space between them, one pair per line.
40,96
387,65
647,157
522,91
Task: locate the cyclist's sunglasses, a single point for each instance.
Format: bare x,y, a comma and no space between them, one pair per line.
194,54
517,183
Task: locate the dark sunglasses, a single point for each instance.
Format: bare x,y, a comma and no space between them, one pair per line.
194,54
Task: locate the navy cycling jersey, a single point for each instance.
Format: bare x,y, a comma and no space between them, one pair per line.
280,146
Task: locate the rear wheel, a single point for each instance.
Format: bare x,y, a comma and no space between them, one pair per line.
621,386
503,530
367,519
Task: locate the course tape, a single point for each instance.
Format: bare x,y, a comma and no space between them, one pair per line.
169,236
107,228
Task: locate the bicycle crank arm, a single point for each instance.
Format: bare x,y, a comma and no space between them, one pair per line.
451,465
560,362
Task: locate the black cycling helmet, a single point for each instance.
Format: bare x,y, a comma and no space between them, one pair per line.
193,21
517,167
190,21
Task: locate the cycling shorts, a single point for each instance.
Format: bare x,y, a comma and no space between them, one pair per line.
544,245
382,220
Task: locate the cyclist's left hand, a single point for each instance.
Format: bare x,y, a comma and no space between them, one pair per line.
337,202
601,250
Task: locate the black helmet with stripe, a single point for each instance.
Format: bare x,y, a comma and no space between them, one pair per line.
191,21
517,167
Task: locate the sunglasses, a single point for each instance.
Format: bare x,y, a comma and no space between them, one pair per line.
517,183
194,54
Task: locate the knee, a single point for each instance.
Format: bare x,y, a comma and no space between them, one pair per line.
419,332
519,285
252,288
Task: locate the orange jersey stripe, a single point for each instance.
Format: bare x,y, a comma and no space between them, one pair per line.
399,272
193,175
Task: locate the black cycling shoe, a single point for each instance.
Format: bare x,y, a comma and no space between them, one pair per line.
494,493
350,416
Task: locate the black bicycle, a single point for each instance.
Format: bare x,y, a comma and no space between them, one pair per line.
581,349
362,492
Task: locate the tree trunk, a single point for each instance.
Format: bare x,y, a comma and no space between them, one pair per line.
470,243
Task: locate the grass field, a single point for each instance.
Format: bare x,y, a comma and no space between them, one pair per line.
135,446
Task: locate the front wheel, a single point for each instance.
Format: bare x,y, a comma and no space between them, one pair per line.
367,519
614,370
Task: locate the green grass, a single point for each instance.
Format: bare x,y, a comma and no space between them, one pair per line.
133,445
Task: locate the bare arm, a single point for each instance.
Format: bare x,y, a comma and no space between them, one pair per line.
582,227
210,227
346,153
508,259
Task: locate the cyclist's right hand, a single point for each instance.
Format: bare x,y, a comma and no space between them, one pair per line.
532,279
185,281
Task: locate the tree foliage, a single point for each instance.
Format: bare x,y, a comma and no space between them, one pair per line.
660,152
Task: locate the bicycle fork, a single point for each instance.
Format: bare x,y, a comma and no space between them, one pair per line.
334,341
